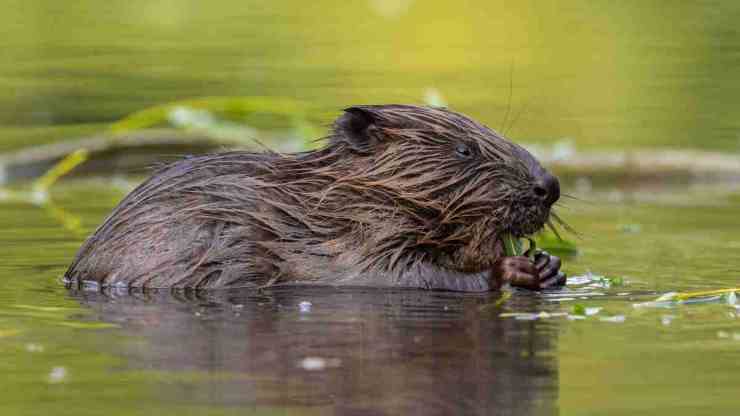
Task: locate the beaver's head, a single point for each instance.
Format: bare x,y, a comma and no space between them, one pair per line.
463,180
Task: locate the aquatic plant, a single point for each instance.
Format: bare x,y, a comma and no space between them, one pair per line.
221,117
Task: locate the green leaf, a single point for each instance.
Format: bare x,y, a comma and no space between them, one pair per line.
579,309
230,108
549,242
512,245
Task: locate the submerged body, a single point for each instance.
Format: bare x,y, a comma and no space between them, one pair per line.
400,196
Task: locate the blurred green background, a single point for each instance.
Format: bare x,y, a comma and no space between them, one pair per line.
604,74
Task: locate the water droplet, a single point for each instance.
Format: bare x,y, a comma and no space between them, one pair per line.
57,375
732,298
32,347
592,311
318,363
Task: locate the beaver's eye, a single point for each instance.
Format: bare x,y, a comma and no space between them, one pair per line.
463,150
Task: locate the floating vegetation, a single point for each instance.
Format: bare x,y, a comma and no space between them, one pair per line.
528,316
578,313
582,290
596,281
579,309
729,295
672,299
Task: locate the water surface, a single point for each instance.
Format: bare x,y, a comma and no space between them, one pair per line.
356,351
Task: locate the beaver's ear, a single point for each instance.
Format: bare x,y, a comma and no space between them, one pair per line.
358,127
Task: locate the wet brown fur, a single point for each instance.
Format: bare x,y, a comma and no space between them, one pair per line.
389,196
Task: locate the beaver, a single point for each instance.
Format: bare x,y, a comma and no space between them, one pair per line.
399,196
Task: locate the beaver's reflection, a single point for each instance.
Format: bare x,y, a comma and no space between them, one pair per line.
344,351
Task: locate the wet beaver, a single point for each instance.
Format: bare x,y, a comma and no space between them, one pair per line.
400,196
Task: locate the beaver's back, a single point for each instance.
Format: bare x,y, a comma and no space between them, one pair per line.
182,228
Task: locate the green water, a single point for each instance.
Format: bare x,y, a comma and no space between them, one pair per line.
599,74
383,352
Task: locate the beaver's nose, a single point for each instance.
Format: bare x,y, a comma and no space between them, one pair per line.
547,188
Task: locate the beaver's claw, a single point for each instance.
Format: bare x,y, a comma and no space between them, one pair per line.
542,273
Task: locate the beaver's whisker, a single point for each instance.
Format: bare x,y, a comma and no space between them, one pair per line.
565,225
562,205
569,196
585,201
554,229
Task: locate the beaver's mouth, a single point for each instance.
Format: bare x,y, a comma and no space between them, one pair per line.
523,229
535,221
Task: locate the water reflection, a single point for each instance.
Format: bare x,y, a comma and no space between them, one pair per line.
346,351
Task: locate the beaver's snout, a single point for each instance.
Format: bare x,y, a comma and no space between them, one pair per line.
547,188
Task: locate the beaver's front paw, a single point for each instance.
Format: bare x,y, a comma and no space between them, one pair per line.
520,271
549,270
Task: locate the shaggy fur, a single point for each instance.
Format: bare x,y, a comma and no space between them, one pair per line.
398,194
